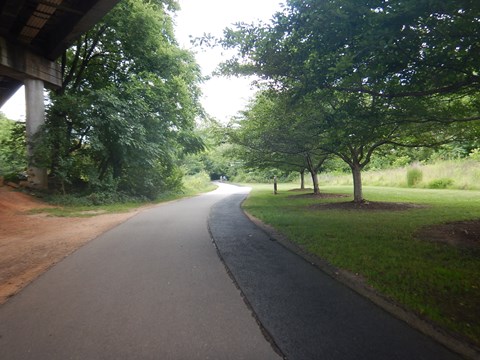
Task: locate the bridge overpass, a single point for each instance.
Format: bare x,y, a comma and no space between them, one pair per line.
33,35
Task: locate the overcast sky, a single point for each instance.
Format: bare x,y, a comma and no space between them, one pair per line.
223,97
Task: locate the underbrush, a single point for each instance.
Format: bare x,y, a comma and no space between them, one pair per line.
110,201
198,183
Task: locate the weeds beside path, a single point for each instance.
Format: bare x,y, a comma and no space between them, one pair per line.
436,280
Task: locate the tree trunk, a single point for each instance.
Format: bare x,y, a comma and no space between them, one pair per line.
357,183
302,180
316,188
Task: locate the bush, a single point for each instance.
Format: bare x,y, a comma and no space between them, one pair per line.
414,176
197,183
401,161
474,154
98,198
440,183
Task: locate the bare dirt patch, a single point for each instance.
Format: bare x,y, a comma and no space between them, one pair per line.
463,234
366,206
31,244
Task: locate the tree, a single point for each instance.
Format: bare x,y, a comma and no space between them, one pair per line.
276,132
383,48
386,72
127,105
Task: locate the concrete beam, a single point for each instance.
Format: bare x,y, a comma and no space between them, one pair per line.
20,64
72,27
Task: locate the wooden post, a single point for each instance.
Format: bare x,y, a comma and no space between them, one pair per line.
275,185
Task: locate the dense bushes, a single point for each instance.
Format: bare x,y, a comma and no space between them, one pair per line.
13,160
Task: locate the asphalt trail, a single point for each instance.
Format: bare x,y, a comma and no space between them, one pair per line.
151,288
309,314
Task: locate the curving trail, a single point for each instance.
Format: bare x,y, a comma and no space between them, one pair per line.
309,314
151,288
155,287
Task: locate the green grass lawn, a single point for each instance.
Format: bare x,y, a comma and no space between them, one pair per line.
436,280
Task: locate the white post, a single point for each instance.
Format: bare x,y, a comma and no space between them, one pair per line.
37,178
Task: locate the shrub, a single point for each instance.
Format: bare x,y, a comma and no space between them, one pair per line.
440,183
197,183
474,154
401,161
414,176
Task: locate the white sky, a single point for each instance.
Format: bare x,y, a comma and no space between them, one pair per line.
222,97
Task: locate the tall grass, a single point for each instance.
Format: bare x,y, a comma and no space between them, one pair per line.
451,174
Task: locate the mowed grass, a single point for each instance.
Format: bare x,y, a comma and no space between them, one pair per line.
438,281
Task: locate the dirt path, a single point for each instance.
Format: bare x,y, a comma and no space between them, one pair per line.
31,244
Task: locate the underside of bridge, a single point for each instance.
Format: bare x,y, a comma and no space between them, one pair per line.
33,34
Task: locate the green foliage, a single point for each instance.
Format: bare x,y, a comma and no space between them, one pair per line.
151,182
475,154
465,175
414,176
126,112
440,183
13,160
100,197
358,77
218,157
197,183
264,176
399,48
432,279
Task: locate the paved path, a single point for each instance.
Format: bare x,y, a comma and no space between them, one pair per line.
152,288
310,315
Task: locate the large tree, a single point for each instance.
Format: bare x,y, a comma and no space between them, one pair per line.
390,71
355,126
273,131
128,102
383,47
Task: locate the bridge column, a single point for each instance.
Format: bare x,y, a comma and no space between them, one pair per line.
37,177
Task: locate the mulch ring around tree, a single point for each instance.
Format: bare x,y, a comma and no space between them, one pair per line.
366,206
462,234
315,196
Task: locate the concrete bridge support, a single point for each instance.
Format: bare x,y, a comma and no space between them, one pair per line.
37,177
36,72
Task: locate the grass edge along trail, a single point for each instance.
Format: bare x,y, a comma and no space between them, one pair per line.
439,282
193,185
